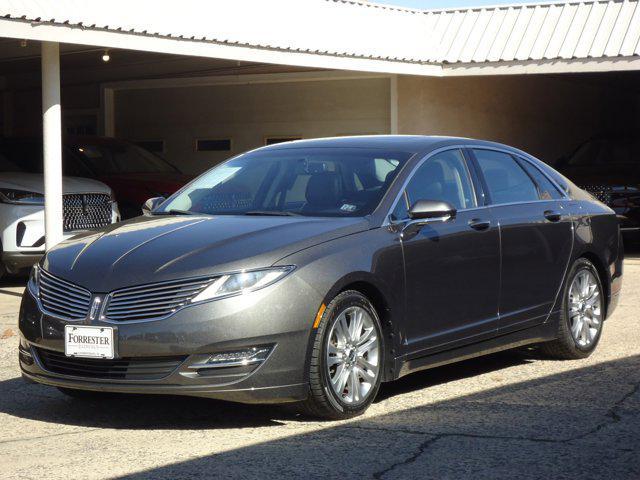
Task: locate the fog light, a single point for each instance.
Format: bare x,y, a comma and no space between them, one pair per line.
239,358
24,353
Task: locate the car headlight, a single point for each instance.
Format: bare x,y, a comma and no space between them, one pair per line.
34,281
21,197
242,282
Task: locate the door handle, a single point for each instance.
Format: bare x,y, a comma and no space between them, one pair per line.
552,216
478,224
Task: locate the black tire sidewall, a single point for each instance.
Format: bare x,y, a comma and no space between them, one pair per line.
580,265
339,304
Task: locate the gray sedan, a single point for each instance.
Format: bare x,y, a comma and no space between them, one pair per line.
312,271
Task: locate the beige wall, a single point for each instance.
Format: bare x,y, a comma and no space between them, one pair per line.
249,113
546,116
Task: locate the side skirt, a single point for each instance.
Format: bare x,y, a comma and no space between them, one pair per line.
540,333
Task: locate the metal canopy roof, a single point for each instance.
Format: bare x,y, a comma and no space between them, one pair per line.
338,33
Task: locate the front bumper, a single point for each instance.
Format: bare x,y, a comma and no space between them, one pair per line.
263,318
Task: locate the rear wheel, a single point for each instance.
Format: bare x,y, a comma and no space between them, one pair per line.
347,358
582,316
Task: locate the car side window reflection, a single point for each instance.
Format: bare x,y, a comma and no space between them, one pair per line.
506,180
442,177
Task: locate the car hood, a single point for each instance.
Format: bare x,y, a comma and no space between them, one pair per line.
34,182
158,248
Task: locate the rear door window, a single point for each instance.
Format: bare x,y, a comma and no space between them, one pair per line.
506,180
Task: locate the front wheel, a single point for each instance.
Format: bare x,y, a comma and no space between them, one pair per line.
347,358
582,315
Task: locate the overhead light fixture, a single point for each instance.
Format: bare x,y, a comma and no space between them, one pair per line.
105,56
23,43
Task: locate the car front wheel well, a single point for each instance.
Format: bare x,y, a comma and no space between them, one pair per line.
381,305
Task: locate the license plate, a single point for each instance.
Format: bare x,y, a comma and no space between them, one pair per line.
88,342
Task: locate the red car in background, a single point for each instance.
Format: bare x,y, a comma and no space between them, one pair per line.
133,173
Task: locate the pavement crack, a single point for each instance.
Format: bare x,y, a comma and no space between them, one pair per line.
40,437
422,448
611,415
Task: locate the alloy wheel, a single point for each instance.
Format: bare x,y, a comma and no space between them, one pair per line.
585,308
352,355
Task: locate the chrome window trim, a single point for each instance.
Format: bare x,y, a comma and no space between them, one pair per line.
528,158
525,157
429,155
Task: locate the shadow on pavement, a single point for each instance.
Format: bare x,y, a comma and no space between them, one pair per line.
179,413
583,423
579,424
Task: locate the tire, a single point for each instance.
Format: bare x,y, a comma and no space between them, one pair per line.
324,401
568,345
83,394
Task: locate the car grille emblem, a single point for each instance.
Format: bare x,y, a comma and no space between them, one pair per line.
94,311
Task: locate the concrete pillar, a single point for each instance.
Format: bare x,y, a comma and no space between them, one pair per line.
52,143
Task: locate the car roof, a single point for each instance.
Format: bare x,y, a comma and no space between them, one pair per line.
405,143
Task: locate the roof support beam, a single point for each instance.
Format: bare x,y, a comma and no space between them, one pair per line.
52,143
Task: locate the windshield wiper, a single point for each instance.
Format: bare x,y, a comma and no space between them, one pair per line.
174,211
273,213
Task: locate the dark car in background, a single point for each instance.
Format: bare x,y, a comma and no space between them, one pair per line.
609,169
313,271
133,173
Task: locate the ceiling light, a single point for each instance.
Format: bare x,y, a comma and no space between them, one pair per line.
23,43
105,56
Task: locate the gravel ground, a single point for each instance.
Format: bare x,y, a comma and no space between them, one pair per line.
509,415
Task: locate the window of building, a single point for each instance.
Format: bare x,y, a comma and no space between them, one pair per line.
274,140
213,145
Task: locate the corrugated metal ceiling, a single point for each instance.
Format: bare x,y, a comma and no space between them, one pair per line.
569,30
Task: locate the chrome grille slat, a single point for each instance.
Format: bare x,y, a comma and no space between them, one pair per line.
65,288
151,298
153,301
62,298
65,311
145,305
70,299
136,291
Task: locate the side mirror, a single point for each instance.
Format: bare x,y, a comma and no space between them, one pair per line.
432,210
151,204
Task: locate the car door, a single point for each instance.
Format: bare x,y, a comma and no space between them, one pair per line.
451,267
535,234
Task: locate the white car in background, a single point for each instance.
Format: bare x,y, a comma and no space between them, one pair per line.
87,204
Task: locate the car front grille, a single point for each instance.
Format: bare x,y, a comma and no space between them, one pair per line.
62,298
153,301
149,368
602,193
85,211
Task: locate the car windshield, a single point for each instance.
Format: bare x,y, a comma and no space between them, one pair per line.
121,158
605,152
327,182
26,156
